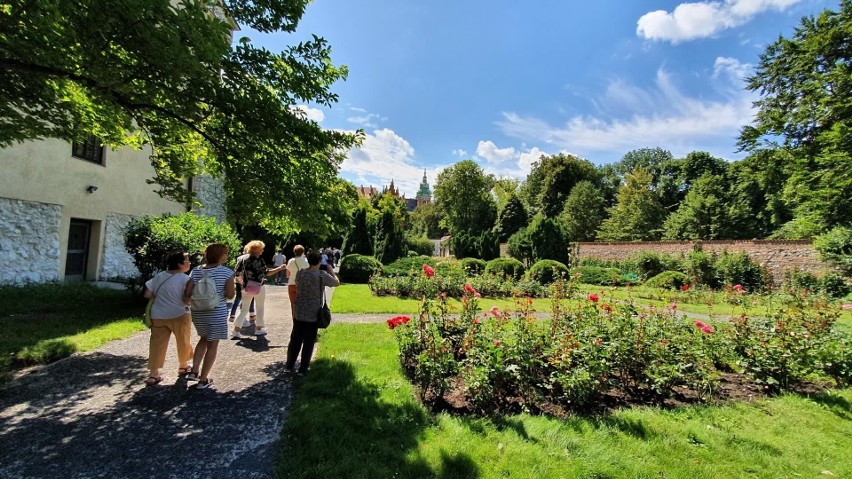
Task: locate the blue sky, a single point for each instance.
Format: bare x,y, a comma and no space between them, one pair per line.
503,82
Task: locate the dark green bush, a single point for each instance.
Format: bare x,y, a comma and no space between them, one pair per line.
449,267
668,280
422,246
463,245
605,276
835,247
506,268
473,266
834,286
520,246
356,268
407,266
488,245
547,271
796,280
650,264
150,239
700,268
738,268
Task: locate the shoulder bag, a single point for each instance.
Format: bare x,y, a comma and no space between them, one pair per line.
146,318
324,314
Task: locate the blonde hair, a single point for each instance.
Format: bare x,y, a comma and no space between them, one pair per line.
298,250
255,245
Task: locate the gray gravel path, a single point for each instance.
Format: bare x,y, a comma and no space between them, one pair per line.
90,415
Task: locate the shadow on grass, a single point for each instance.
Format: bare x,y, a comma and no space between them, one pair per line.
835,403
339,426
90,416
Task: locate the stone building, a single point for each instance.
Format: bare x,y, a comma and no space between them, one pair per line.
424,194
63,208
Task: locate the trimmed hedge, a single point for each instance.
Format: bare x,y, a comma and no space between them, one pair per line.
423,246
505,268
605,276
668,280
473,266
356,268
412,265
547,271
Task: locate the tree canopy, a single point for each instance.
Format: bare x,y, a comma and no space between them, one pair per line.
463,192
165,73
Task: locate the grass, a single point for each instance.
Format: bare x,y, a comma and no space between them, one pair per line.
46,322
356,416
356,298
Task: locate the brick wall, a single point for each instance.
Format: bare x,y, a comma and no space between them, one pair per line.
777,256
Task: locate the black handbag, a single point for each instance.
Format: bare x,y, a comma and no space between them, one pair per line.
324,314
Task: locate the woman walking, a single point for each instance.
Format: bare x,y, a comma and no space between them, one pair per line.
169,315
252,273
296,263
239,297
310,295
211,325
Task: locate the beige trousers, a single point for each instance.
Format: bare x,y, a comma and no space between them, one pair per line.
161,331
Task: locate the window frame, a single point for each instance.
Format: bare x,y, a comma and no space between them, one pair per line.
91,150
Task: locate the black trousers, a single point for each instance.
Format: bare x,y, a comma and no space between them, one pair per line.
303,337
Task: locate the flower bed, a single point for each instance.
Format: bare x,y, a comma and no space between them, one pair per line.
593,349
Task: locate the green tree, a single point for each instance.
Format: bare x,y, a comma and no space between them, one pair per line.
835,246
666,173
389,240
358,239
426,221
512,217
551,179
548,240
638,215
805,83
166,75
584,211
504,189
463,191
703,214
758,206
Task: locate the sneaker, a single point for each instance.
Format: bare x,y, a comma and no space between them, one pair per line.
191,376
260,332
288,369
205,384
236,335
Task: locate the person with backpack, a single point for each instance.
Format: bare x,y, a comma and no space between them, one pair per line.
169,315
238,300
211,286
251,273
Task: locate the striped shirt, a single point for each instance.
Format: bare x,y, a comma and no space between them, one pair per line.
213,324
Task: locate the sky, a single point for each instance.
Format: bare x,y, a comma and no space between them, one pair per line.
503,82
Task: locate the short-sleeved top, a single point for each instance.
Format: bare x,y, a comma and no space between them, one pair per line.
278,259
220,275
253,268
296,264
168,300
310,292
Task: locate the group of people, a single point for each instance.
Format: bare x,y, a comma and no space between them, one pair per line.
306,276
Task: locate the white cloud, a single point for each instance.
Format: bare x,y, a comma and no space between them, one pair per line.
689,21
731,67
386,156
525,160
659,116
311,113
460,153
367,120
493,155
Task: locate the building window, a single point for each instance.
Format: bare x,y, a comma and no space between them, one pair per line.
90,150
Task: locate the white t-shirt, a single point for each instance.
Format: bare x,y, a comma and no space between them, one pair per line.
168,302
278,259
294,265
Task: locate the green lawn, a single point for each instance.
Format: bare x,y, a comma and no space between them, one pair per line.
356,298
43,323
356,416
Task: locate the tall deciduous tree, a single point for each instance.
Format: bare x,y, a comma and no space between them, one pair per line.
703,214
463,192
551,179
426,221
164,73
637,215
805,83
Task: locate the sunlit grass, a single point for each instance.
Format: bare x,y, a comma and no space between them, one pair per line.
355,400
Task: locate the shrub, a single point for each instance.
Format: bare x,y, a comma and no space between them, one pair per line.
449,267
668,280
407,266
506,268
150,239
605,276
473,266
835,247
700,268
488,245
547,271
650,264
520,246
422,246
738,268
356,268
463,245
548,241
834,286
796,280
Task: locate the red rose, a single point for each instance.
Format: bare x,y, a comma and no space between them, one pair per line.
428,271
469,289
593,298
496,342
684,287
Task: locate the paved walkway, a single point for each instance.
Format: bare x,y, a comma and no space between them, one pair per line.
90,415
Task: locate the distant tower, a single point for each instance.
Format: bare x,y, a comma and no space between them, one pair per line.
424,194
